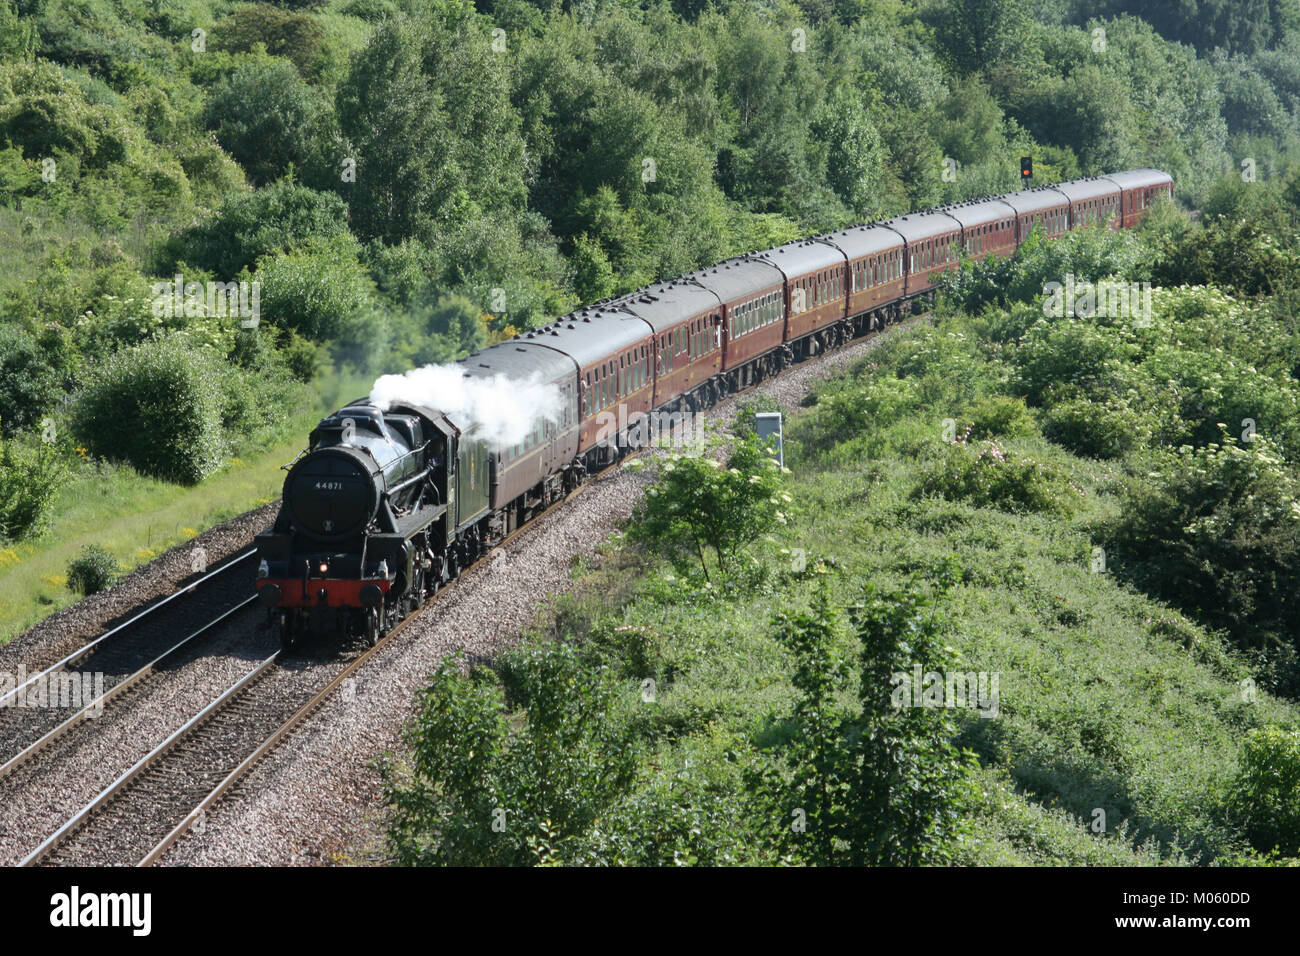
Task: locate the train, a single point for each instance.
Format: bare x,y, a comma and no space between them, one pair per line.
387,505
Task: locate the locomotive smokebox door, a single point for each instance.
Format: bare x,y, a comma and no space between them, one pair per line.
768,425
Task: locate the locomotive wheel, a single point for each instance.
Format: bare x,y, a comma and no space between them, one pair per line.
372,627
417,589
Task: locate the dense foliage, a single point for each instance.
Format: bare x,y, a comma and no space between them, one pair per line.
406,180
1099,509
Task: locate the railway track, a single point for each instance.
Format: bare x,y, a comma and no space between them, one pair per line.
169,791
117,662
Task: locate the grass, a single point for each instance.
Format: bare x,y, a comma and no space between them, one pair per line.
136,518
1120,723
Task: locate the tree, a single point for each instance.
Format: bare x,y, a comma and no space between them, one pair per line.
158,407
854,153
30,385
487,790
426,112
913,785
268,119
30,479
697,503
813,803
298,37
979,33
883,785
1265,797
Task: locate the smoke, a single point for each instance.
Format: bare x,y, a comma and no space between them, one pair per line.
498,410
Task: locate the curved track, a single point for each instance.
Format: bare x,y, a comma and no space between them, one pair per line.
167,792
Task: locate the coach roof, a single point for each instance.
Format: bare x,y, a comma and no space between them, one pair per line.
1034,200
796,259
979,211
666,304
1137,178
590,334
867,240
920,226
1082,190
738,279
519,360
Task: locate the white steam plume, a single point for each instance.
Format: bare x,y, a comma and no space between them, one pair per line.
498,410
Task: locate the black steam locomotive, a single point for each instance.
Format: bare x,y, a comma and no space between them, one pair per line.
374,519
388,505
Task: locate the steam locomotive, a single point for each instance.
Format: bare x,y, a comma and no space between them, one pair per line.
387,505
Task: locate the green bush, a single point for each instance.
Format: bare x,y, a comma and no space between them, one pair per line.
318,291
991,476
999,416
1237,255
881,784
1265,797
93,571
1217,531
370,10
484,789
1072,353
268,119
157,406
440,328
281,217
29,385
851,412
697,503
1094,429
298,37
30,478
